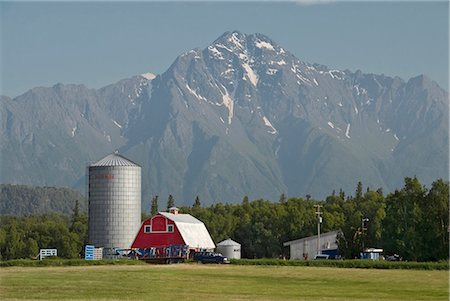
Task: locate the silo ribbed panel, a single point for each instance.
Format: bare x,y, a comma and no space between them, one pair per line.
114,202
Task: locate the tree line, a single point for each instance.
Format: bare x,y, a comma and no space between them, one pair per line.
23,236
412,222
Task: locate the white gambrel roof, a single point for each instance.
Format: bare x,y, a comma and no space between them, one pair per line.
114,159
192,230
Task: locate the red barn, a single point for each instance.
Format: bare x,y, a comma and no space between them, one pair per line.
172,228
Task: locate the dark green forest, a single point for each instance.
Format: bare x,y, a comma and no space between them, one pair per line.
412,221
19,200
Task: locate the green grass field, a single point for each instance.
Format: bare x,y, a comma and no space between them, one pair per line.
220,282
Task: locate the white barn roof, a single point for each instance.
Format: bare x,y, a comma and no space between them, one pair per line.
192,230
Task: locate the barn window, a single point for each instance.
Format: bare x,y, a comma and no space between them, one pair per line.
147,229
169,228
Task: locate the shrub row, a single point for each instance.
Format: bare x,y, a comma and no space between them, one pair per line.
66,262
361,264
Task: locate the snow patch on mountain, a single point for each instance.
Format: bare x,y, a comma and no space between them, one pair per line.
271,71
117,124
269,124
193,92
280,62
303,79
148,76
223,46
251,75
216,53
228,102
347,131
234,39
266,45
227,73
335,74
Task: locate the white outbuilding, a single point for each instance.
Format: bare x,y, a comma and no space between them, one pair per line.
229,248
306,248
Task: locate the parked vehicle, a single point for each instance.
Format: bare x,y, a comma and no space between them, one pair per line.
394,257
210,257
322,256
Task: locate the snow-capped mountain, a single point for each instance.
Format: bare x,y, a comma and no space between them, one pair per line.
241,117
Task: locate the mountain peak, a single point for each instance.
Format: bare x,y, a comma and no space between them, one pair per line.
148,76
238,40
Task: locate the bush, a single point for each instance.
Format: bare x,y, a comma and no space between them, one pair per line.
360,264
66,262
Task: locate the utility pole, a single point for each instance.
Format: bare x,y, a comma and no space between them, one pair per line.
362,230
319,221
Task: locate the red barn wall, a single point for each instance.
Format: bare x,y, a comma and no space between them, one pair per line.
161,238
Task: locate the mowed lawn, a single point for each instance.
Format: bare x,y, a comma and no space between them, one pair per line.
220,282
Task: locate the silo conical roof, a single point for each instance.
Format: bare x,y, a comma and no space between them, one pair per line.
114,159
228,242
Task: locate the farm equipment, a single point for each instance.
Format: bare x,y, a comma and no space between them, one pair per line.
165,254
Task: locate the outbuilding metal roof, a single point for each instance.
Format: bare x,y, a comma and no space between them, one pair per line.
192,230
228,242
114,159
310,238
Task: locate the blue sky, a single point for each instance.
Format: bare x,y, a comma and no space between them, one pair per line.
98,43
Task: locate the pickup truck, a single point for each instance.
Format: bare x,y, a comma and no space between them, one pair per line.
210,257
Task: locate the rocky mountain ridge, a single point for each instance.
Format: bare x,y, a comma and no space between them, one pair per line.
241,117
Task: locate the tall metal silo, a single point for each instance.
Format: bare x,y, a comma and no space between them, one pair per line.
114,202
230,249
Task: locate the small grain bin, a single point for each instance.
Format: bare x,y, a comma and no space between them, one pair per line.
230,249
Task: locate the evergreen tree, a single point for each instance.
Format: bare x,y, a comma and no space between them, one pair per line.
359,193
380,191
154,206
170,202
75,215
282,199
197,203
